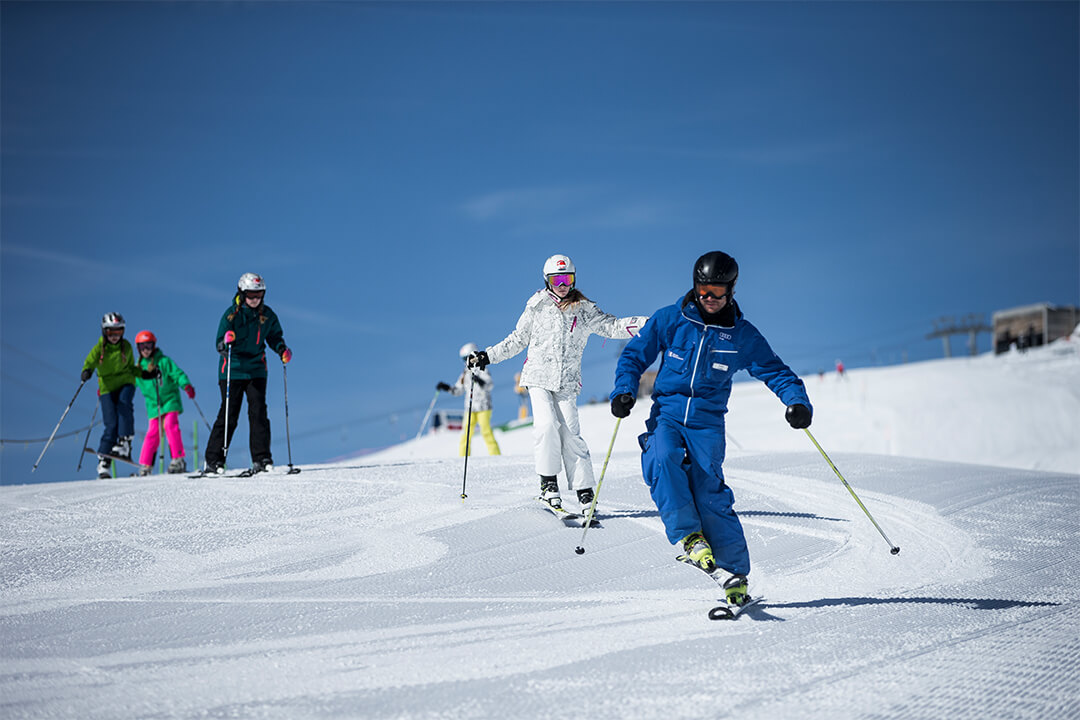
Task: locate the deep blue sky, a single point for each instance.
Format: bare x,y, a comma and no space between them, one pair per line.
399,172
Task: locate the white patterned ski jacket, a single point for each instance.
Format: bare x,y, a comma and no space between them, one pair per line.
481,391
556,340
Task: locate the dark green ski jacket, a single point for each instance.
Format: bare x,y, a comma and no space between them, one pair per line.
255,330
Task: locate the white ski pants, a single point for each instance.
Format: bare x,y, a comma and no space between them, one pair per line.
557,438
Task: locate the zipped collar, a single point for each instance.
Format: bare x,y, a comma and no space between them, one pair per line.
689,310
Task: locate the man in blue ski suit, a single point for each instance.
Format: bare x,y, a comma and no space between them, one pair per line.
703,340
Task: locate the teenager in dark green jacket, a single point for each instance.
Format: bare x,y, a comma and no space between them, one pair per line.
246,329
114,361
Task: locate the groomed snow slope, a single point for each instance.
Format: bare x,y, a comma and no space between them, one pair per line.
370,589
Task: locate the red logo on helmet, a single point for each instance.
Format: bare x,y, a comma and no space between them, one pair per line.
561,264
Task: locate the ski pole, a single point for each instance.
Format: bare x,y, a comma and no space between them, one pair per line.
228,392
288,442
87,440
160,425
468,438
55,429
580,549
427,416
201,413
894,549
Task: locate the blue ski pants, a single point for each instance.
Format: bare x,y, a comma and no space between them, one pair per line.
682,468
118,416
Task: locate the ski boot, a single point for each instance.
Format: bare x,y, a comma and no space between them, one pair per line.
585,498
122,448
698,552
264,465
145,470
214,468
549,491
735,590
104,467
178,465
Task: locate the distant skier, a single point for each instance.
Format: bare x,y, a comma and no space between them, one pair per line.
247,328
555,326
840,370
114,361
475,384
162,396
703,340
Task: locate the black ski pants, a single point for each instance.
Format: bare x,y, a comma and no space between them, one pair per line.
258,422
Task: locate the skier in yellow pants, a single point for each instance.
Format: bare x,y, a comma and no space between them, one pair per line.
478,383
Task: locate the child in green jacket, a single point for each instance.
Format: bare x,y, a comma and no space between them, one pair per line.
163,406
114,361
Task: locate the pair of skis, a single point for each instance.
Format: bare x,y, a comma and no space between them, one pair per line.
247,472
726,611
114,458
569,519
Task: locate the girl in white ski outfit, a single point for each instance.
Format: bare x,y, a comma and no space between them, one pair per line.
555,326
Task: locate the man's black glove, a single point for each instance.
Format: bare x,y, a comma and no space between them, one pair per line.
479,380
86,374
798,416
621,404
479,360
442,387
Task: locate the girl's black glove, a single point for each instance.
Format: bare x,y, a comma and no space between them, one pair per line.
479,360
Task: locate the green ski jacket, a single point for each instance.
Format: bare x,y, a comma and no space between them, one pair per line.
115,364
168,393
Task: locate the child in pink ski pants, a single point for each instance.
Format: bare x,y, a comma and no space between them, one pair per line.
161,388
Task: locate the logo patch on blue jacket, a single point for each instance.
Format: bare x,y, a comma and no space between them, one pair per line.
673,354
719,366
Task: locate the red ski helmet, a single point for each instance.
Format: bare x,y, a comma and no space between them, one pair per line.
145,336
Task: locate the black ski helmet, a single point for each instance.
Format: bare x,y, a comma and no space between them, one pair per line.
716,268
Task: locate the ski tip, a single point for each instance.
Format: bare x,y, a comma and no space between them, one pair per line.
729,612
721,612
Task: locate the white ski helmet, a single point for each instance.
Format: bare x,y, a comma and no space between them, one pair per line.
113,321
250,282
558,265
467,349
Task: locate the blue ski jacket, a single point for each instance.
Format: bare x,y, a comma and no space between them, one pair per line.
698,361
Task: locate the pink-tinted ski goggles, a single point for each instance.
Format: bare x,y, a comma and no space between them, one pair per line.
566,279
